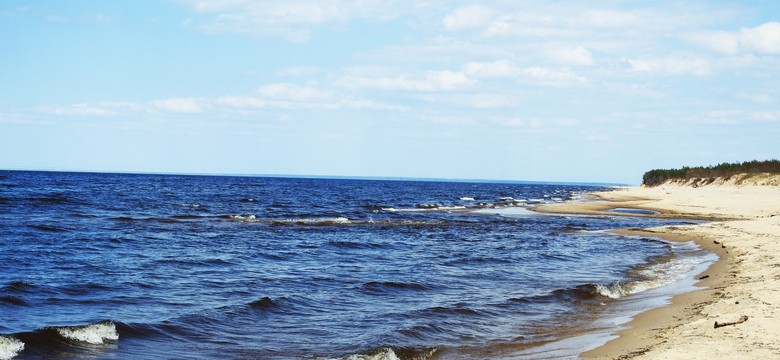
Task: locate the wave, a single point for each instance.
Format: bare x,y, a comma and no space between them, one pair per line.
349,244
459,310
263,303
324,221
283,305
386,353
653,276
97,333
10,347
243,218
581,293
303,221
12,300
57,340
195,206
49,199
427,207
595,291
48,228
383,286
19,287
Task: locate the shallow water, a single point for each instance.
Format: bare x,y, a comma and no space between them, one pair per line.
120,265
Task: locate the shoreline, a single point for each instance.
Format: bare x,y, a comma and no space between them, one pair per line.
742,282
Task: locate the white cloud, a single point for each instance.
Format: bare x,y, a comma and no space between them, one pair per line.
291,19
242,102
595,136
496,69
676,66
547,76
609,19
178,105
762,39
757,98
482,100
297,97
720,41
78,110
571,55
766,116
292,92
468,17
431,81
299,71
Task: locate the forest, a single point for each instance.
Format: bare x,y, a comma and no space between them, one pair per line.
723,170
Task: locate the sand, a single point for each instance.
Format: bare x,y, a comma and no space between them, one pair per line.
744,230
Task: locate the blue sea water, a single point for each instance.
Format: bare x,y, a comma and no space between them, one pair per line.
164,266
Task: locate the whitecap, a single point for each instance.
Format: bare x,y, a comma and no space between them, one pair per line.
96,333
381,354
619,290
465,198
243,218
10,347
315,221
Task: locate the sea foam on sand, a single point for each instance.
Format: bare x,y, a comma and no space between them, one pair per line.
744,231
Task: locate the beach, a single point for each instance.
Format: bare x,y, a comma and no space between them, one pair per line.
740,292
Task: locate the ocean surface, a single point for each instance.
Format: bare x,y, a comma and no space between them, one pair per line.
163,266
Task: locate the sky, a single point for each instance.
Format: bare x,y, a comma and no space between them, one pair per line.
579,91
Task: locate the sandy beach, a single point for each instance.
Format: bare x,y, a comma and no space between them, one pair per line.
741,291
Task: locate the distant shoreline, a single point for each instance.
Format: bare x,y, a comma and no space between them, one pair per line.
743,229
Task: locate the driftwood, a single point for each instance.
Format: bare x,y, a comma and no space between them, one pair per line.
740,321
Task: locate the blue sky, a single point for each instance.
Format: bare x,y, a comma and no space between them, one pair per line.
596,91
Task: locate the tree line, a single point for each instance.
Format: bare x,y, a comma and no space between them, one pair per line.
724,170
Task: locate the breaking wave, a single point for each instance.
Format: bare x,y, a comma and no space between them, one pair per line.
387,353
312,221
97,333
49,341
10,347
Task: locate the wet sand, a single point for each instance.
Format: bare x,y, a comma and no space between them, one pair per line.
743,228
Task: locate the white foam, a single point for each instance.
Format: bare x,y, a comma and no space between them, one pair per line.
507,211
619,290
426,208
661,274
315,221
10,347
244,218
383,354
448,208
94,334
466,198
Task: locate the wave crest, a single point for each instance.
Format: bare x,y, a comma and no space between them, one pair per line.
97,333
381,354
10,347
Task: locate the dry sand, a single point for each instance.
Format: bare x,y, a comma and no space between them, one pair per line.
745,233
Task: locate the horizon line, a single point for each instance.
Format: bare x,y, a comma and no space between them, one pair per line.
333,177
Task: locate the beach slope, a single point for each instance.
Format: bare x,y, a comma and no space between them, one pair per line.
740,293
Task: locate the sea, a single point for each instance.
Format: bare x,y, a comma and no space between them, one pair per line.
143,266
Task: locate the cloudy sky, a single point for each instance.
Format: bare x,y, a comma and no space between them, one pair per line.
596,91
